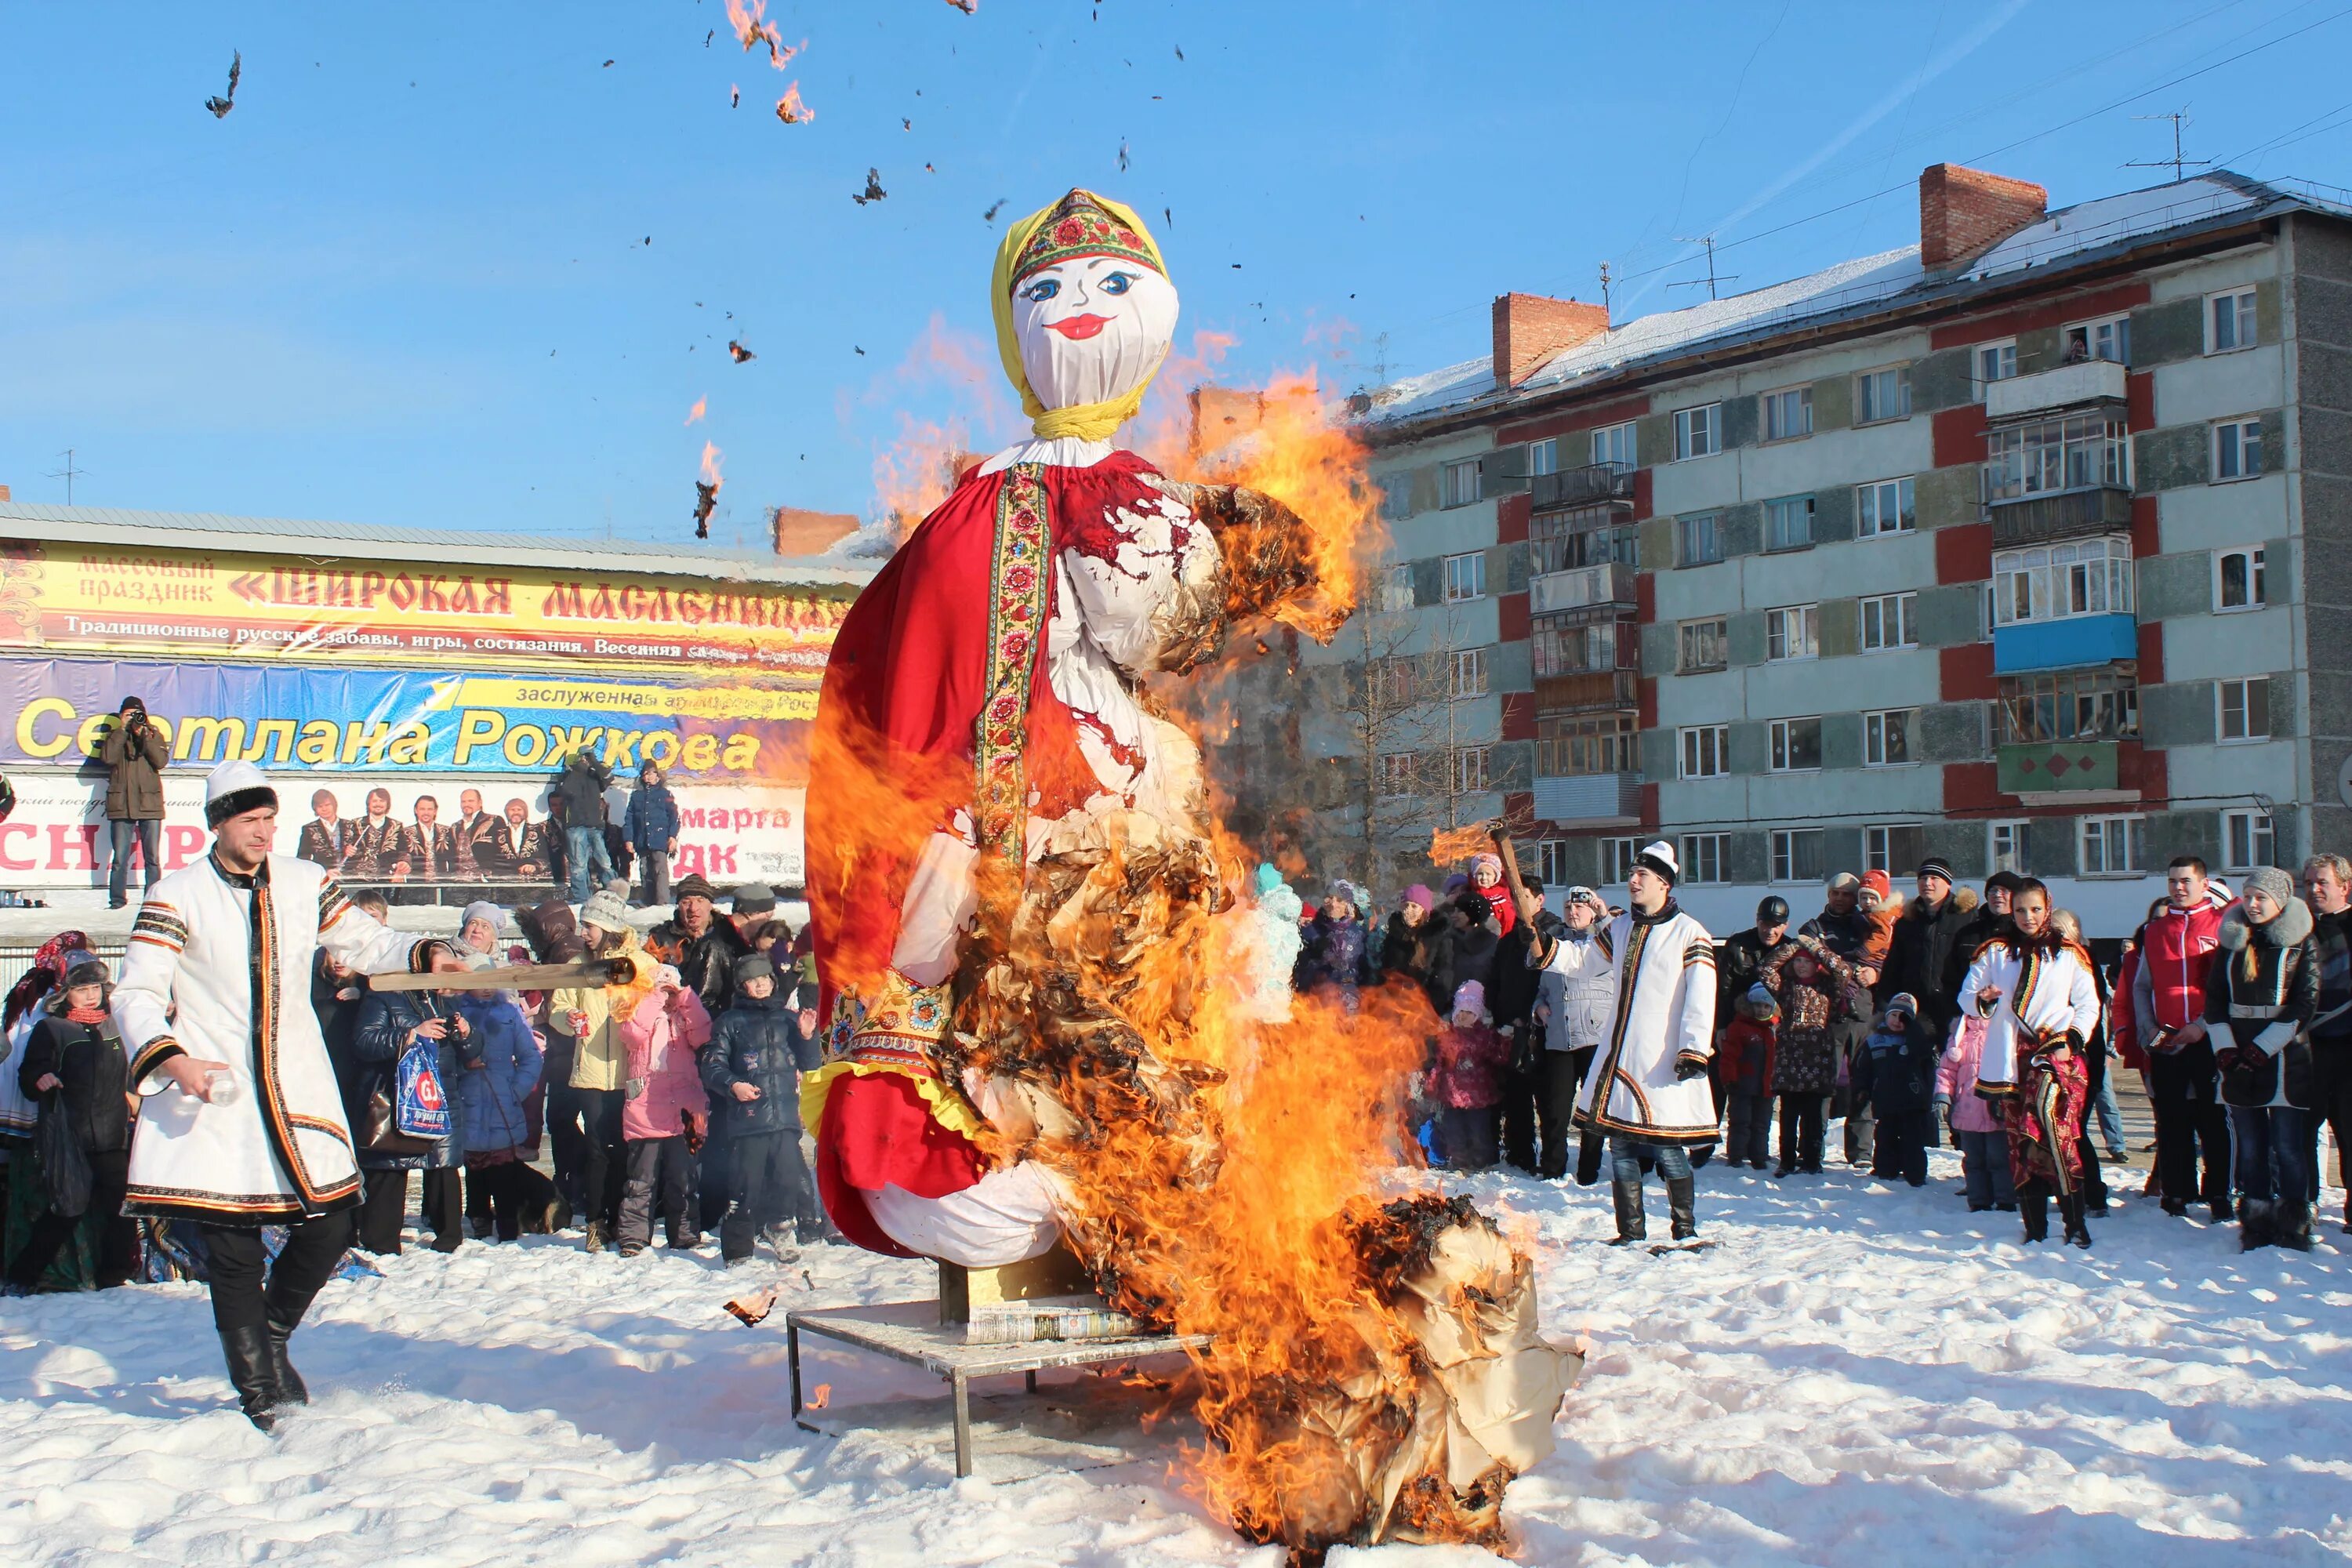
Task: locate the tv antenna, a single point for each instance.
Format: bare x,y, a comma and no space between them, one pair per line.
2180,117
1712,279
1605,282
69,473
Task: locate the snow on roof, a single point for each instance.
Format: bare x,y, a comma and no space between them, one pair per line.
213,530
1854,287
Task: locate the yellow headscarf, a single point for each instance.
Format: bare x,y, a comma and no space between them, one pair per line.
1087,421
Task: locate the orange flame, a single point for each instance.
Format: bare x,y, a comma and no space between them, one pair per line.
694,413
1451,845
710,455
791,109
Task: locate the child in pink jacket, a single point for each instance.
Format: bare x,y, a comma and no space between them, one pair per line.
1976,1127
663,1111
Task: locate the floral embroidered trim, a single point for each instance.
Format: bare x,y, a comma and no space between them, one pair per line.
1016,617
1078,226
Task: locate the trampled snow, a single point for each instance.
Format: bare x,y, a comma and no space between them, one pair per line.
1850,1375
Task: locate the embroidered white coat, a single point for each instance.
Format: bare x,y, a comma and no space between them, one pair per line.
2040,995
192,977
1661,1007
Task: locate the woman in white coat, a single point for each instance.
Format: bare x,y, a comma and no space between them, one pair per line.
2035,991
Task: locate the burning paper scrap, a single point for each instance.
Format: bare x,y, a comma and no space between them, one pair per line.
874,191
221,106
752,27
751,1310
695,412
820,1397
1448,845
735,347
791,109
706,492
967,6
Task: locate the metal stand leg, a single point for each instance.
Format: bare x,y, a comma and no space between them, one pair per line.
792,1354
963,1425
1030,1377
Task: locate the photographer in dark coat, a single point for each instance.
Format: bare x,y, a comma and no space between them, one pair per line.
135,754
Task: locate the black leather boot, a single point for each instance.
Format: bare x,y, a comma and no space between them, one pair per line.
1682,1202
2071,1207
2035,1209
1589,1150
1633,1224
2253,1225
290,1388
247,1350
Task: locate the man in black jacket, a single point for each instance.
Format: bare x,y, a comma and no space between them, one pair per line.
580,791
1744,954
702,946
1919,955
2328,888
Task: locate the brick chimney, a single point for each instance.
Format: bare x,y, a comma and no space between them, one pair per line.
1529,328
1964,212
3,493
799,532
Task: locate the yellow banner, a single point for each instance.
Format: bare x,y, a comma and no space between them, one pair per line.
435,615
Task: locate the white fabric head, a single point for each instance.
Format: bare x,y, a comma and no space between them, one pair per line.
1092,328
232,778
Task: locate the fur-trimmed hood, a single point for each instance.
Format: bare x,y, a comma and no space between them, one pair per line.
2290,928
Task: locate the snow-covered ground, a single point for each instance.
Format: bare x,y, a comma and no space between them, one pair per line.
1852,1375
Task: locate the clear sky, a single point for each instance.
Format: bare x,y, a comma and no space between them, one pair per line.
472,265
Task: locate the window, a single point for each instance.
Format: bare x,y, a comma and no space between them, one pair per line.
1392,681
1893,848
2113,845
1563,540
2237,450
1881,395
1792,633
1617,857
1698,432
2247,840
1576,643
1890,621
2069,453
1796,745
2067,705
1698,540
1469,672
1552,862
1579,748
1614,444
1396,588
1706,750
1465,577
2109,339
1796,854
1705,644
1789,415
2053,582
1543,457
1396,773
2229,321
1885,508
2246,709
1470,770
1457,483
1886,738
1789,524
1702,856
1995,362
2005,844
2241,586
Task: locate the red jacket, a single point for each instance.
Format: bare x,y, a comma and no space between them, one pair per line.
2175,949
2123,1029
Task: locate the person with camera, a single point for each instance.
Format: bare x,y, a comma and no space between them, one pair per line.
135,754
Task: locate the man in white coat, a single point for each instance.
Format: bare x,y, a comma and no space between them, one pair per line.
243,1122
1647,1088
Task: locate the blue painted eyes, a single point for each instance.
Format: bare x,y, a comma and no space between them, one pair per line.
1043,289
1118,282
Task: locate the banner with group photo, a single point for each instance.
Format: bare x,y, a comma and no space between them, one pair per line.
58,836
57,712
113,599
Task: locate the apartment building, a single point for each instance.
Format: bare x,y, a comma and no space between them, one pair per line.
2029,546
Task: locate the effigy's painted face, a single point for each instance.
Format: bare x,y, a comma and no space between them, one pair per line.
1092,328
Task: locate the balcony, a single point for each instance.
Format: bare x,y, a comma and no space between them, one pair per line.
1593,798
2077,385
2079,773
2061,514
1587,692
2068,644
1596,484
1581,588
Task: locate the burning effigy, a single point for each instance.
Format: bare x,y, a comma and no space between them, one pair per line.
1036,971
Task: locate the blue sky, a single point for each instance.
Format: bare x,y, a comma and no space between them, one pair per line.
408,279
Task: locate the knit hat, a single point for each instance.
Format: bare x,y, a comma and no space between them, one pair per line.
1470,997
2270,882
1772,911
1456,883
1486,862
694,885
1759,1003
1268,878
753,966
1903,1002
483,910
1659,856
1578,893
605,911
1934,865
1878,885
755,899
1419,893
233,789
1340,892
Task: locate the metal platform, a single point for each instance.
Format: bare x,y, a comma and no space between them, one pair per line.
911,1332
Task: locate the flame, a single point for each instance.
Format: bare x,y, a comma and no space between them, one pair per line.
1451,845
710,456
694,413
791,109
